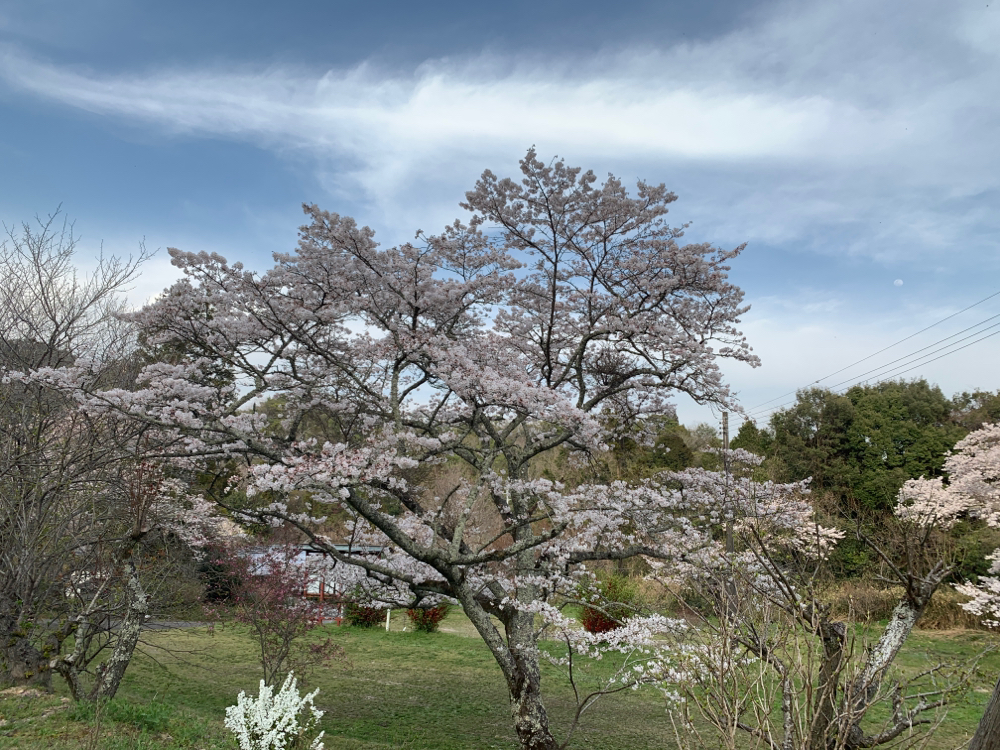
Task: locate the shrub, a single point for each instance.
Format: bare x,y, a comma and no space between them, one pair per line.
595,621
272,722
427,620
220,579
617,595
361,616
268,599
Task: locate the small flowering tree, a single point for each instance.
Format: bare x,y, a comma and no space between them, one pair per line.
282,721
765,636
972,490
562,310
268,598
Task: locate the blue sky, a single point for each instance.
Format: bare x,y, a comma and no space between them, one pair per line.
852,145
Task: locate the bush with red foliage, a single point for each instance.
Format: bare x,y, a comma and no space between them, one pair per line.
265,591
427,620
617,594
361,616
595,621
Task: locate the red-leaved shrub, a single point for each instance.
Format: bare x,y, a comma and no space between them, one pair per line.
427,620
361,616
265,593
616,594
595,621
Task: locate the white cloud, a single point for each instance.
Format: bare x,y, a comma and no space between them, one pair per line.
442,108
852,129
817,119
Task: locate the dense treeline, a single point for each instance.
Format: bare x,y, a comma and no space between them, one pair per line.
857,447
860,446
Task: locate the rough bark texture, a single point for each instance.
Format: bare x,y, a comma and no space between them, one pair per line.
129,631
73,666
883,653
865,688
517,656
833,636
21,663
987,736
531,722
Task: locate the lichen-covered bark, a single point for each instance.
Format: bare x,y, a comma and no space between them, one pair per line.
21,663
865,687
531,722
137,607
73,666
883,653
517,656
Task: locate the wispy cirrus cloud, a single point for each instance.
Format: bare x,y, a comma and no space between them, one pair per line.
849,130
816,113
441,106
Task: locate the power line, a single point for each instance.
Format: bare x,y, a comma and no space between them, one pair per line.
881,377
908,356
995,333
875,354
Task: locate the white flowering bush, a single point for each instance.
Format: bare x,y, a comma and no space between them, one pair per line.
272,722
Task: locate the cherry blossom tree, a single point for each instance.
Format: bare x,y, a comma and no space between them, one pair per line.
972,490
561,309
768,638
765,635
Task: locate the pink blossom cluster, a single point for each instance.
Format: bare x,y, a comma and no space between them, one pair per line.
972,490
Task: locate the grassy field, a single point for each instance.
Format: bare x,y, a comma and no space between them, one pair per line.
397,689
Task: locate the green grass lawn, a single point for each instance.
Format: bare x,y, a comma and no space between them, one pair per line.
397,689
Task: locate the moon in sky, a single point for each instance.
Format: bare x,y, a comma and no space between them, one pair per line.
898,282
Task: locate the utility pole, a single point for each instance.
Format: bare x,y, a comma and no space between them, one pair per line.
730,546
730,599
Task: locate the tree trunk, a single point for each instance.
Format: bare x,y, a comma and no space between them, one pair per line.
531,722
833,636
137,607
73,666
882,654
517,657
987,736
865,688
21,662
